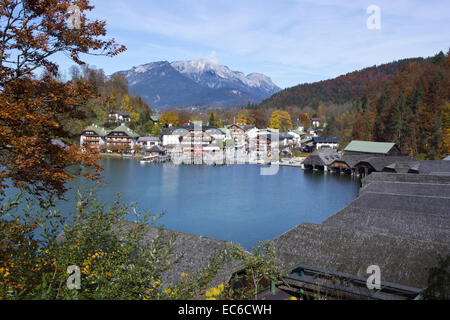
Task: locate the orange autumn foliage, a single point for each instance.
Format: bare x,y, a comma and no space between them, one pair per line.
35,148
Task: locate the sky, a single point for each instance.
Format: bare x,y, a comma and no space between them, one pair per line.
291,41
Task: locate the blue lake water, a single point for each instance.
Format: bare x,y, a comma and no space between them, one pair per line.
233,203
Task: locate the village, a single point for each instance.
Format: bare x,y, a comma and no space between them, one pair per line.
240,144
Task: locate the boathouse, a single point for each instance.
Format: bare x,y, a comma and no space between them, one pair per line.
155,151
400,222
370,148
377,164
321,159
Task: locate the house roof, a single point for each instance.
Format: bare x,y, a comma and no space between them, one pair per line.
352,251
326,140
370,147
121,112
155,148
403,166
379,163
415,225
323,157
350,159
400,222
154,118
409,178
284,135
97,129
125,129
148,139
299,132
214,131
435,167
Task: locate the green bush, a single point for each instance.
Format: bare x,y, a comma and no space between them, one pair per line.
38,245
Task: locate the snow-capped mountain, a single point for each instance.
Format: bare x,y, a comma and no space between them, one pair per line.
197,83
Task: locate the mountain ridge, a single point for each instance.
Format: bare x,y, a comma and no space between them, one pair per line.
197,83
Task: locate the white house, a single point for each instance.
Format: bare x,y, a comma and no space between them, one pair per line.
146,142
119,116
93,137
315,122
326,143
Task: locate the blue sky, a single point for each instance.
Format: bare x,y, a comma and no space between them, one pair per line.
290,41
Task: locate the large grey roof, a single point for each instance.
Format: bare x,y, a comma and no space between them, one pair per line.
400,222
411,188
435,167
409,178
435,205
379,163
408,166
414,225
401,260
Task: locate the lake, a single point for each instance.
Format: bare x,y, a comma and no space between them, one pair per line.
233,203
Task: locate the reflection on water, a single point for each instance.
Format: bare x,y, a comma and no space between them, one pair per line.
233,203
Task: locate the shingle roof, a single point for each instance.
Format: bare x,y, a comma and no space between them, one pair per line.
97,129
379,163
370,147
350,159
409,178
411,188
150,138
403,166
435,167
124,128
401,260
414,225
155,148
323,157
412,203
326,140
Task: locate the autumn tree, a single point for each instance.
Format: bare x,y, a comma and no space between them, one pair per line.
169,117
305,119
280,120
243,117
258,118
32,110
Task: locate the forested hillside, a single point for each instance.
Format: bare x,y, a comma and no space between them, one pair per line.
407,102
339,90
112,94
411,109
